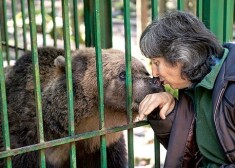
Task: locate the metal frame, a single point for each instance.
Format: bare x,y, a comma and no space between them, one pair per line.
98,22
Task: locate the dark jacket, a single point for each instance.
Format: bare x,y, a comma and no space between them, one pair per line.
177,132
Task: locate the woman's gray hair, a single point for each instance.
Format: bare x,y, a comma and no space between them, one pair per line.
181,37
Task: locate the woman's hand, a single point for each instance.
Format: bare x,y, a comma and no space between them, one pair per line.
165,101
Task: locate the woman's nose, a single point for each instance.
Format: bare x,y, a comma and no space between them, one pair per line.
154,70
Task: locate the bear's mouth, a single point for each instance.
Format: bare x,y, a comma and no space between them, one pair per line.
157,81
157,85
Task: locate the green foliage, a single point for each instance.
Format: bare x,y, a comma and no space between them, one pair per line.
174,92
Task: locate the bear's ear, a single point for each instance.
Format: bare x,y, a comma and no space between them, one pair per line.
59,62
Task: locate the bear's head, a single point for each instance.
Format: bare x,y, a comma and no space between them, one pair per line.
114,78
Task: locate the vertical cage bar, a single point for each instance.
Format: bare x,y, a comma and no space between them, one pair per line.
212,17
127,28
37,88
199,9
156,142
154,8
217,18
23,24
76,24
3,105
13,5
69,83
180,4
54,22
105,20
106,23
5,28
157,152
228,20
88,22
99,70
206,4
43,22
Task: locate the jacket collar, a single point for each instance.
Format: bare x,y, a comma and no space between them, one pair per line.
209,80
227,73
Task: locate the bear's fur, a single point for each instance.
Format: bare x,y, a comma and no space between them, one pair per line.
22,107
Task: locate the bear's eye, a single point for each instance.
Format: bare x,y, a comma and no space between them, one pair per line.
122,75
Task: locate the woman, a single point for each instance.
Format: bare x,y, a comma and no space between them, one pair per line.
198,129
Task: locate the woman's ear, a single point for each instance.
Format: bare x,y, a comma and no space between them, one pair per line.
59,62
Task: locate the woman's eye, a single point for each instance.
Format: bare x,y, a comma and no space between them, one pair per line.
122,75
156,63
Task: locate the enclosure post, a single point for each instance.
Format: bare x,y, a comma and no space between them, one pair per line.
228,20
69,82
3,110
36,74
105,20
212,17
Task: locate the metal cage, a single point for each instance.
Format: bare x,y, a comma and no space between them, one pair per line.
98,33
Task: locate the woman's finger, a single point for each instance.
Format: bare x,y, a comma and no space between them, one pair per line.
148,105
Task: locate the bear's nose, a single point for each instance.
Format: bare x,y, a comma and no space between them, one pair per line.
156,84
155,81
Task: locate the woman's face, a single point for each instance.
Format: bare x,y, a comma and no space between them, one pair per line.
169,74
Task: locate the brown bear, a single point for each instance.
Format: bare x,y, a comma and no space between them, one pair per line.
22,107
